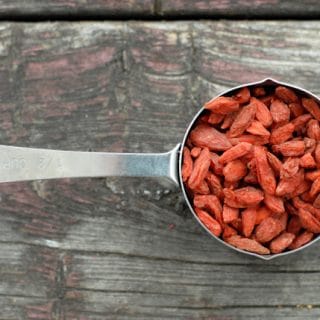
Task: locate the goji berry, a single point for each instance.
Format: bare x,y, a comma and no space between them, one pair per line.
282,242
212,224
280,111
285,94
248,221
312,106
247,244
265,173
301,240
222,105
243,119
205,136
229,214
235,152
187,165
268,229
234,170
200,169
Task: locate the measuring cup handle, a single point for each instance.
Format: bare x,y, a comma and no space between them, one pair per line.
22,164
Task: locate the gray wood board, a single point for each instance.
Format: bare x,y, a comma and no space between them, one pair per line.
122,248
66,9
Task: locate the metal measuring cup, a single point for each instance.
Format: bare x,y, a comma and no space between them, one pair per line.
25,164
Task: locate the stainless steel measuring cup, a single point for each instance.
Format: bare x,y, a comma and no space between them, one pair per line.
24,164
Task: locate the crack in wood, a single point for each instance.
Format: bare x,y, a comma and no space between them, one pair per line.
158,8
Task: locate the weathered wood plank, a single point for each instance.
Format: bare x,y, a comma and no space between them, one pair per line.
16,307
22,275
98,307
157,8
128,248
239,8
31,281
103,285
73,8
155,288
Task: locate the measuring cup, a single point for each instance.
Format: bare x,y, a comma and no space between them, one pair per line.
25,164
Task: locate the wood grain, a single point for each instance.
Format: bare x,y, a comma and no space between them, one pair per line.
240,8
74,8
122,248
156,9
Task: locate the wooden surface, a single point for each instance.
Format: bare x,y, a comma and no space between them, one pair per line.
240,8
69,8
96,9
122,248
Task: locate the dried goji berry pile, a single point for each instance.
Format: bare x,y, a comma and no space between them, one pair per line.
251,167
